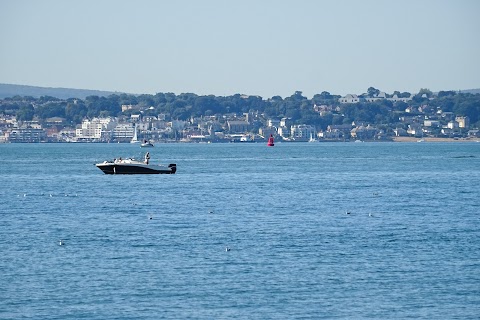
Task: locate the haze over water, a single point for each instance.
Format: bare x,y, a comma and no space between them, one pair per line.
154,246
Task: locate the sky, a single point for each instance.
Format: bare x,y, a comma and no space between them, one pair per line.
253,47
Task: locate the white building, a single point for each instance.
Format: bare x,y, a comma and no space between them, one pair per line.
123,131
302,132
452,125
395,98
95,129
284,132
349,98
463,122
431,123
380,96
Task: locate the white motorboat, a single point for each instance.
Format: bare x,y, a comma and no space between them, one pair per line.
133,166
146,144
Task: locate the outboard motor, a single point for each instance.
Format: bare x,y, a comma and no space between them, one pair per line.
173,166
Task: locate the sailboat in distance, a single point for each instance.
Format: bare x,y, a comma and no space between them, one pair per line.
135,138
270,141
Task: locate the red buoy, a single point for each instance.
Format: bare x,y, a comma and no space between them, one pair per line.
270,141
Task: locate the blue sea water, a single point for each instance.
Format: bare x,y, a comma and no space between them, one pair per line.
154,246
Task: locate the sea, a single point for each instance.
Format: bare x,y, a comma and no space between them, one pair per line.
242,231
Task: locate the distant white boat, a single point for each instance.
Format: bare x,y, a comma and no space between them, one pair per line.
312,139
247,138
146,144
135,138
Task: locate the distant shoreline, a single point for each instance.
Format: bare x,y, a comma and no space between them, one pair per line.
431,139
395,139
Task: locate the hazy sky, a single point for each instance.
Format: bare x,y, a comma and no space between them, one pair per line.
257,47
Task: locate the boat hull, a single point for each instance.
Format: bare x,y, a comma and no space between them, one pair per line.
112,168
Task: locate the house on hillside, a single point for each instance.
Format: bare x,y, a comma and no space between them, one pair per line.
363,133
395,98
379,96
344,128
415,130
349,98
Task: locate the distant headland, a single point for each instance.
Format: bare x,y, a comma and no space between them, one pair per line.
11,90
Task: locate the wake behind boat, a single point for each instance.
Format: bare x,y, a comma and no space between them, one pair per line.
133,166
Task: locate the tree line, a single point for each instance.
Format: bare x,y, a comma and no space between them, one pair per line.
296,107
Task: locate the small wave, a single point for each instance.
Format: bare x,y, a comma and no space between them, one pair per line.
464,157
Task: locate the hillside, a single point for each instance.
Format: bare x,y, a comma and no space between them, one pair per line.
472,91
11,90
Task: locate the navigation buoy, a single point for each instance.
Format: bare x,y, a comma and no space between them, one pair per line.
270,141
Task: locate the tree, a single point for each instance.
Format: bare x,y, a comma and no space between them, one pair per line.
372,92
442,94
297,96
326,95
180,114
127,99
425,91
44,99
49,110
205,103
25,113
146,100
97,104
400,106
469,107
75,112
169,96
323,98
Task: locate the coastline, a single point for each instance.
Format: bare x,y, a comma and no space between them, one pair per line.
431,139
394,139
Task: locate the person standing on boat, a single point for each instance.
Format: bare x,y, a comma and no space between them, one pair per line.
147,157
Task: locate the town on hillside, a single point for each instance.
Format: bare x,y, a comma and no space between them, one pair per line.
166,117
